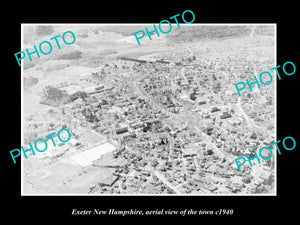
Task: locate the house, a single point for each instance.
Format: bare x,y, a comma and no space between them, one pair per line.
74,142
94,89
121,130
225,115
266,176
215,109
264,100
136,125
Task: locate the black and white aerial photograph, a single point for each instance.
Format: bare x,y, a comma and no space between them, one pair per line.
162,117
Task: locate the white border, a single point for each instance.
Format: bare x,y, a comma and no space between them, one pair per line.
134,24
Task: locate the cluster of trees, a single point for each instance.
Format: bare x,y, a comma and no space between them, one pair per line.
90,115
56,96
79,94
29,81
52,93
44,30
29,137
72,55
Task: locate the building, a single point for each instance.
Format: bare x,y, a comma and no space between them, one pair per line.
88,157
132,59
121,130
202,102
215,109
225,115
71,89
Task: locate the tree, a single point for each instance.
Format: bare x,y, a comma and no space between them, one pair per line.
193,96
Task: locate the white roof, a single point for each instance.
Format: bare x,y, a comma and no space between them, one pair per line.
107,147
73,141
87,157
98,151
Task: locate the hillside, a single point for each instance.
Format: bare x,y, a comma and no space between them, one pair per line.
194,33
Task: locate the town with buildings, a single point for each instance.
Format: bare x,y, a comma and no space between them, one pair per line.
168,121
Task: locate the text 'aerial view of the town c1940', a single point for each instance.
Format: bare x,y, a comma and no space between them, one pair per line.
159,118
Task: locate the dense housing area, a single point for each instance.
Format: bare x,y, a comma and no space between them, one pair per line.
166,120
